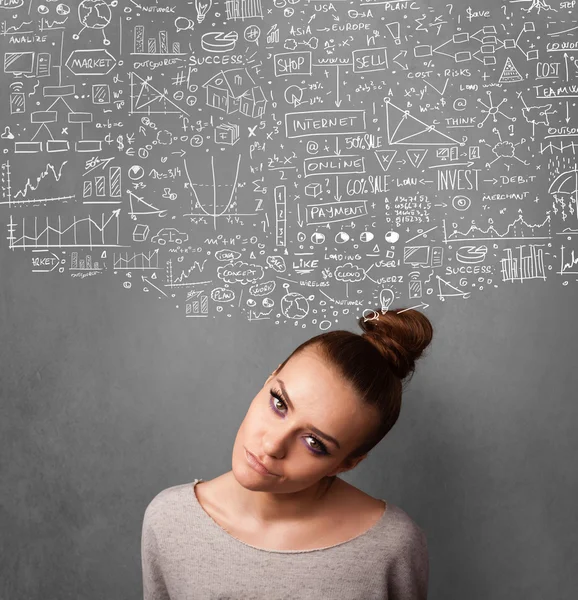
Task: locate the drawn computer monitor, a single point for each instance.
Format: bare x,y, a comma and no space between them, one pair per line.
18,62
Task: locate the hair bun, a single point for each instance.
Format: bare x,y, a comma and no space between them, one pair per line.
401,337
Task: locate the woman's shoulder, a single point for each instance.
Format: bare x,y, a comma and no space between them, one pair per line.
403,531
169,501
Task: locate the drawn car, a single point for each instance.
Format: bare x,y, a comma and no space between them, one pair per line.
170,234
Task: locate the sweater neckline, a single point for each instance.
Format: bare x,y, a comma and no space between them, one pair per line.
368,532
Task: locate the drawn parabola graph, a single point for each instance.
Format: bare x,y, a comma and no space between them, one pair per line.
199,210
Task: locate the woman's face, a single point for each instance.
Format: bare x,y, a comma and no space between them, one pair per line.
284,425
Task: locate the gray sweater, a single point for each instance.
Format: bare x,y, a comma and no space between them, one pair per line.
186,555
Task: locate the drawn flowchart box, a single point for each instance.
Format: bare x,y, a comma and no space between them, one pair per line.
58,91
27,147
367,60
324,122
330,165
460,38
422,51
57,146
292,63
80,117
88,146
47,116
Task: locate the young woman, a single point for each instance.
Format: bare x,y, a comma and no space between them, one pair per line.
281,524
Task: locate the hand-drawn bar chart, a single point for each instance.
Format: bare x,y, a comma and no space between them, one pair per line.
153,46
530,266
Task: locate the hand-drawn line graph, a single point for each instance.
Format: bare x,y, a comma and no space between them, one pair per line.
12,29
231,203
5,180
182,280
517,230
403,126
568,266
136,262
147,100
80,234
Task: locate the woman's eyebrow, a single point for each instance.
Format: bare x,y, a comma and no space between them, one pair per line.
325,436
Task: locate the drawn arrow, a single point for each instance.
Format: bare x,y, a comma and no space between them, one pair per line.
402,53
156,288
420,305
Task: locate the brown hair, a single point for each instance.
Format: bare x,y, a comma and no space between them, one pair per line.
377,363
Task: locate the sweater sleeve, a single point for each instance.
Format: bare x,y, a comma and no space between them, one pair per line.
409,573
152,577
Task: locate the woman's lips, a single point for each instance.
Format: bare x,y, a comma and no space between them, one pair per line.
256,465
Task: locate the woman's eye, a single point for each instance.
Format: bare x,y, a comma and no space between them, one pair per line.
320,447
275,400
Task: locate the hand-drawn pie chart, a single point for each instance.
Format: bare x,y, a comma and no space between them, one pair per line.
219,41
136,172
471,255
293,95
391,237
317,238
341,237
366,236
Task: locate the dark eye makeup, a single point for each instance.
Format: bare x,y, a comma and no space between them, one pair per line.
278,397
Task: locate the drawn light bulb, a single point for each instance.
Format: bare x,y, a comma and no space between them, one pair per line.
203,7
386,297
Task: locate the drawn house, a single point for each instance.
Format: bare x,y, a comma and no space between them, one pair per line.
235,90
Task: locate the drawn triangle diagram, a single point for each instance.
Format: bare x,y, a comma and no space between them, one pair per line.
510,73
416,155
403,126
449,289
142,206
149,100
385,158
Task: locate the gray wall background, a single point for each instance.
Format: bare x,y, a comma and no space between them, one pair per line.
108,395
105,404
